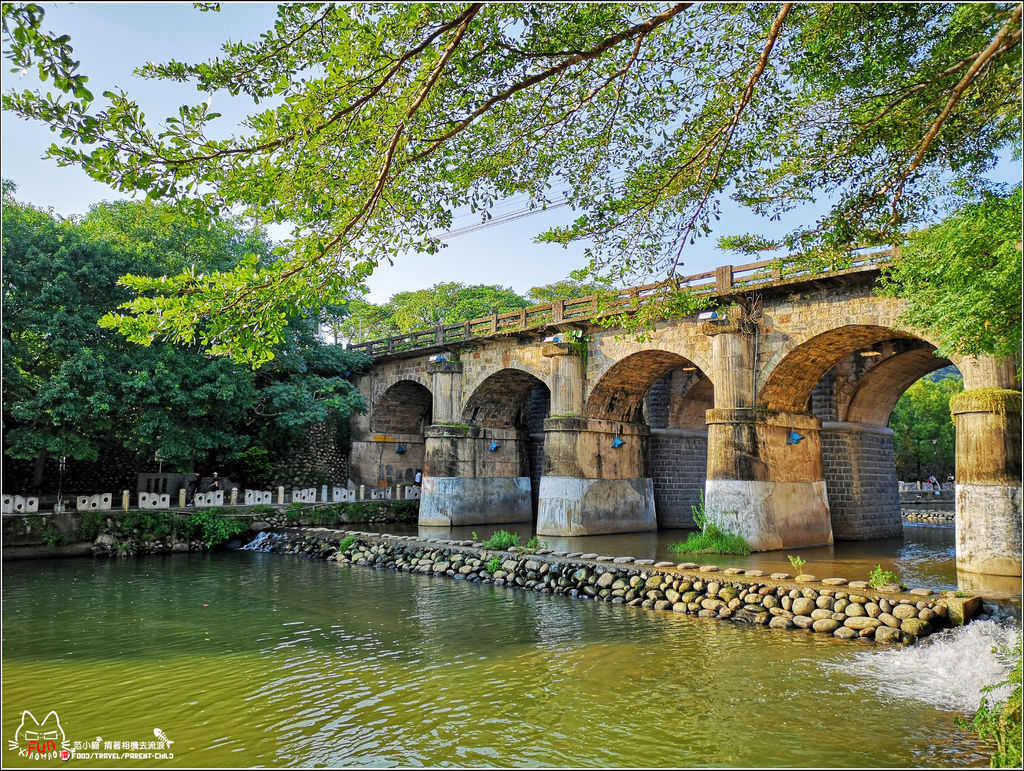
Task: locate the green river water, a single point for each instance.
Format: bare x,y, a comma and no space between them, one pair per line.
246,659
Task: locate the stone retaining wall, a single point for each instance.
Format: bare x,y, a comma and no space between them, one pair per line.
833,606
132,533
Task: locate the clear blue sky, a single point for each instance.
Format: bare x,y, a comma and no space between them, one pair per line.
112,39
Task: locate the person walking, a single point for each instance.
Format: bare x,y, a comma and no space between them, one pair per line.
192,489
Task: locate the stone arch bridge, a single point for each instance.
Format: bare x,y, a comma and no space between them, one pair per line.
776,410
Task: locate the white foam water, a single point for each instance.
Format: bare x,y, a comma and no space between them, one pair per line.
262,542
947,670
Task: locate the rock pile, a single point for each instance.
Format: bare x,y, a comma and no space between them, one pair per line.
929,516
845,610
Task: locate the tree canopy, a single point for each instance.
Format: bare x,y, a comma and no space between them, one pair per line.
962,277
72,388
385,118
924,439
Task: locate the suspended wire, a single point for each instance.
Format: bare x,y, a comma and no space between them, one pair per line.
517,214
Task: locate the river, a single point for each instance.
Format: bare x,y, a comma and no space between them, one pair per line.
245,659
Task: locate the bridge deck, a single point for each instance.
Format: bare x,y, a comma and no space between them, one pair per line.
722,281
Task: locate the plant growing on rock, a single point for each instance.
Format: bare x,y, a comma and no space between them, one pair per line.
797,563
879,577
1001,722
501,539
710,539
123,549
346,543
533,545
493,565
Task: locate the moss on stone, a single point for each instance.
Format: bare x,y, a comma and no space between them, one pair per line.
997,400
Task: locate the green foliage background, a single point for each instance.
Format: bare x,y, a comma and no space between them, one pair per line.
924,439
72,388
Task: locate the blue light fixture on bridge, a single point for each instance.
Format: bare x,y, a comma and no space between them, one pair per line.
617,443
400,450
494,447
794,437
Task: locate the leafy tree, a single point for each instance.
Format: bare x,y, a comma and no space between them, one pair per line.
564,290
386,118
72,388
445,303
450,303
963,277
924,439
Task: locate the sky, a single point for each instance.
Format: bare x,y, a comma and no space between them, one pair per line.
112,39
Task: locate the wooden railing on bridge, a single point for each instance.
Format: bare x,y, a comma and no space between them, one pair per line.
726,279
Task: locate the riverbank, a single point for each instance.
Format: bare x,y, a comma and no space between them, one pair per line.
832,606
138,532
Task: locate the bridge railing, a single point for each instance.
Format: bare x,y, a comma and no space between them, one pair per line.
722,280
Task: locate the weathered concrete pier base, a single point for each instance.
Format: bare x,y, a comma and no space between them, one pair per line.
475,476
590,486
763,485
988,489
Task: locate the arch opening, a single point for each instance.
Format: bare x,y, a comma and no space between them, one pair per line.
396,447
855,400
515,400
671,395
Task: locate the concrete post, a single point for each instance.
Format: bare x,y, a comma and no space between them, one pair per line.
765,478
362,492
181,498
125,498
234,496
988,469
280,496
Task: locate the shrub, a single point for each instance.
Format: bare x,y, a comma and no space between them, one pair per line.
878,577
796,562
501,539
92,525
346,543
710,539
213,529
1001,722
493,565
150,524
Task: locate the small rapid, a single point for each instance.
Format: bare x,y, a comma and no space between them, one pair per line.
948,670
263,541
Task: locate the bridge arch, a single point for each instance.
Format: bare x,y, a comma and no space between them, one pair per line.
405,407
851,378
790,378
510,405
671,394
503,399
620,392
